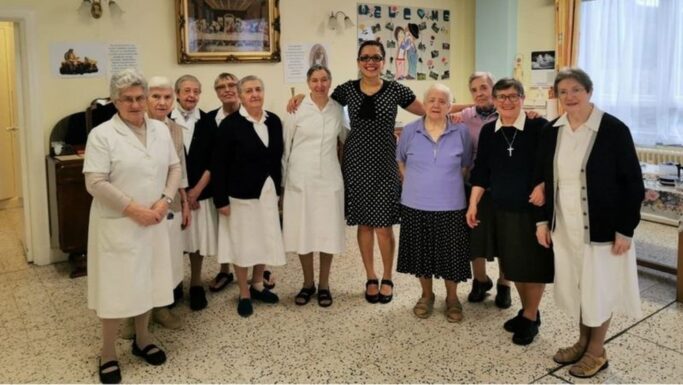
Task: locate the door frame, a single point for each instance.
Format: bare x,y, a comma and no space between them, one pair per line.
32,141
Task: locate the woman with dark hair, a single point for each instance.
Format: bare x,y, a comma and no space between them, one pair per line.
371,181
505,164
594,188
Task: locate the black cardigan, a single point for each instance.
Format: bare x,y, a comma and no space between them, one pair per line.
198,158
614,183
241,163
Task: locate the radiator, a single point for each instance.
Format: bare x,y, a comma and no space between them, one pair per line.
659,155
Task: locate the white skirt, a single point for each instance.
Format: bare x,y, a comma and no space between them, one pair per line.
590,282
313,218
251,234
175,234
129,267
201,234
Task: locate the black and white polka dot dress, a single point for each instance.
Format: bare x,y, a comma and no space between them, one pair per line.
372,188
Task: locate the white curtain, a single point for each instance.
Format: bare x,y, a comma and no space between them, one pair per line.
633,51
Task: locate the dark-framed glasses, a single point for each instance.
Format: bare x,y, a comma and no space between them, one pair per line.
373,58
514,98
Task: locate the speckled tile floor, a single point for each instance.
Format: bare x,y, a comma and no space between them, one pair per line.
48,335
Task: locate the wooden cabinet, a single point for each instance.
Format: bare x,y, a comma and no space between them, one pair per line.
69,204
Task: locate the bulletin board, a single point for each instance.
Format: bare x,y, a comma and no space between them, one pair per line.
417,40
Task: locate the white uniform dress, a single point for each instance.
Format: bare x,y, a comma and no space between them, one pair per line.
313,207
201,235
129,266
251,234
590,282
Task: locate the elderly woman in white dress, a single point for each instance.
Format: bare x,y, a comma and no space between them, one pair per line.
246,177
132,171
159,105
313,207
594,189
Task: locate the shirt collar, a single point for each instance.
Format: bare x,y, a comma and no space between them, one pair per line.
518,124
243,112
179,111
449,126
592,123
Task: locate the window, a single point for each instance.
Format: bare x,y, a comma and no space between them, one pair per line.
633,51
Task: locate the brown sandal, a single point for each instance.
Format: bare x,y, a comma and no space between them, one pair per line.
569,355
424,307
454,312
589,365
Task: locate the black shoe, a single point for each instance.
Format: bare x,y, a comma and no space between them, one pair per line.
197,298
503,299
479,290
244,307
221,281
324,298
386,298
304,295
156,358
267,283
113,377
264,295
526,331
512,325
178,293
372,298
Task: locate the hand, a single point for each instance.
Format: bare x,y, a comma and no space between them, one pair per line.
456,117
471,216
225,210
621,245
142,215
161,207
193,194
543,235
187,216
532,114
294,102
537,197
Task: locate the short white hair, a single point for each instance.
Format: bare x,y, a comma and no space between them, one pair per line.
159,82
439,87
125,79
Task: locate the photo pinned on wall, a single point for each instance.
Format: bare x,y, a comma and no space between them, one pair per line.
407,35
542,67
71,60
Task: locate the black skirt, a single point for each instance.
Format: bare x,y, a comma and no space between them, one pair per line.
482,241
521,257
434,244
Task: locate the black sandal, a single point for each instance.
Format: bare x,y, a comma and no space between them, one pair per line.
386,298
156,358
113,377
304,295
324,298
221,281
266,280
372,298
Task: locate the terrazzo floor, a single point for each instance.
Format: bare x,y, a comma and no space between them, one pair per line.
48,336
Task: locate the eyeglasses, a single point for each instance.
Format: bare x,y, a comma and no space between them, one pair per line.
373,58
130,100
563,93
513,98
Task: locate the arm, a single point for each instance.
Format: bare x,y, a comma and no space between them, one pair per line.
416,108
294,103
220,173
631,191
475,197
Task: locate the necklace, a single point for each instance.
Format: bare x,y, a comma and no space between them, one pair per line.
509,142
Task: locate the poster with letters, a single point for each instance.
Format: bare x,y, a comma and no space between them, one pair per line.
417,40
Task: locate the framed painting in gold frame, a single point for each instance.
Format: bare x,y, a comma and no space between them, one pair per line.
211,31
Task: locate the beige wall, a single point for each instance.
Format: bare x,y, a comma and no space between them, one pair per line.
535,32
150,24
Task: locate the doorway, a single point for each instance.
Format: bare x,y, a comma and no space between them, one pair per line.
12,235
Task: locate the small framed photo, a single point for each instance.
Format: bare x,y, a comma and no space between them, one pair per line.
228,31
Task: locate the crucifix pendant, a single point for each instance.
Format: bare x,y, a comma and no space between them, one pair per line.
510,150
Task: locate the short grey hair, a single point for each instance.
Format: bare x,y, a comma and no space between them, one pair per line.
479,74
576,74
185,78
225,76
317,67
159,82
125,79
248,78
439,87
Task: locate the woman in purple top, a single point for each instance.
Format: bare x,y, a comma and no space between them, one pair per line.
433,155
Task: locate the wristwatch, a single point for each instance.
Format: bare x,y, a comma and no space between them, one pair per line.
167,199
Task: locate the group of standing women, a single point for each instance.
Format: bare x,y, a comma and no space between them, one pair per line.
536,186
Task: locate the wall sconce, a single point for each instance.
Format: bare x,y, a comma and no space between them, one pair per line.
332,21
95,7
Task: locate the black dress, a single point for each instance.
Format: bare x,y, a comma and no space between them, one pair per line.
372,188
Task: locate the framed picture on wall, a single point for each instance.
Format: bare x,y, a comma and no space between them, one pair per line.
211,31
